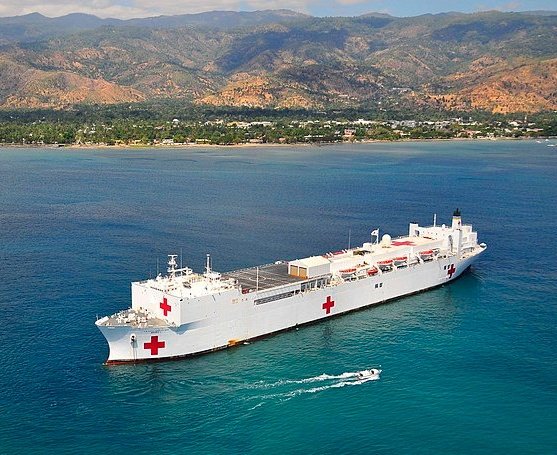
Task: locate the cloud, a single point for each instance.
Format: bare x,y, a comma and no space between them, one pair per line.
351,2
126,9
509,6
101,8
198,6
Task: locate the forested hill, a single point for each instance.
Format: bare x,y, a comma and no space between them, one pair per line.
493,61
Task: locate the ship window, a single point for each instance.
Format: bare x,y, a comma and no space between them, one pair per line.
272,298
310,285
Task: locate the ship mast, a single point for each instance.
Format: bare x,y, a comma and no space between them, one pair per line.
172,265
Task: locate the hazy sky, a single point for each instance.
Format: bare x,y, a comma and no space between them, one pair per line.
141,8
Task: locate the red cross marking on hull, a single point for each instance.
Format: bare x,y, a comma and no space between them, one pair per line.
451,270
328,304
165,307
154,345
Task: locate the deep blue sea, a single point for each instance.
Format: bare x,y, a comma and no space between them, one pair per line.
467,368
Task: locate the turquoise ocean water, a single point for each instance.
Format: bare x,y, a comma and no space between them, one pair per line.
467,368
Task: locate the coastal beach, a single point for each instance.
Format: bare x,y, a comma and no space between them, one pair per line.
269,145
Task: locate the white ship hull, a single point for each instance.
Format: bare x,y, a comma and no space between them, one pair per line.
226,318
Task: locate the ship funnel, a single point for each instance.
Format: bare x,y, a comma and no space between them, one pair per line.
208,264
457,220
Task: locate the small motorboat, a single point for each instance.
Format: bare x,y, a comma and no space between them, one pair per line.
364,375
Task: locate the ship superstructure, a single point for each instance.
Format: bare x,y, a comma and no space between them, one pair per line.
185,313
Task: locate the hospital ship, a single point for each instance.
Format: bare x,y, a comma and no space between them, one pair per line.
184,313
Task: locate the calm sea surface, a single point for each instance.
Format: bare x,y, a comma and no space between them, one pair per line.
467,368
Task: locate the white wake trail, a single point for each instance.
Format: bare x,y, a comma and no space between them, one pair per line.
336,385
349,378
321,377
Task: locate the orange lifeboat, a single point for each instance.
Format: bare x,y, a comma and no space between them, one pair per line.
401,261
347,272
372,271
426,255
386,264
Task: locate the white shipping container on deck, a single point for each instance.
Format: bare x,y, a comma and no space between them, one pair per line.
309,267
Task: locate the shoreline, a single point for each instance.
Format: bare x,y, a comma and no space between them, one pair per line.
270,144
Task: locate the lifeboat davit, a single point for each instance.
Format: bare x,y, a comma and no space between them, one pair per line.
386,264
401,261
426,255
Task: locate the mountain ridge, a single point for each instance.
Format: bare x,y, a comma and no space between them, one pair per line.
500,62
23,28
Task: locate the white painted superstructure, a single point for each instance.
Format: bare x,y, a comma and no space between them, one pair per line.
186,313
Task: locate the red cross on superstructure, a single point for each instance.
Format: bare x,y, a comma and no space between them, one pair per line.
165,307
154,345
451,270
328,304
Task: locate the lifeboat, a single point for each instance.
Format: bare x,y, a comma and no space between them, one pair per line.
401,261
426,255
372,271
385,265
347,272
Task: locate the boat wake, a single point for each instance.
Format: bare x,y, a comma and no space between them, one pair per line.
287,389
321,377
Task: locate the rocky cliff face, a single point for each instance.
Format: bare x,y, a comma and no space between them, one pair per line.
526,87
26,87
499,62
